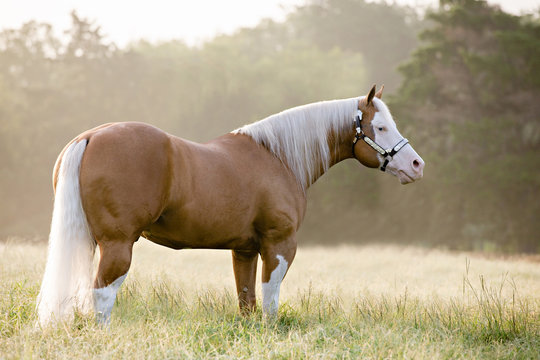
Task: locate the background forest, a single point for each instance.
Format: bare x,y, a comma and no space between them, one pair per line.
463,83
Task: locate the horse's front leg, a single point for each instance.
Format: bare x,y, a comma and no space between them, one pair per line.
277,258
245,270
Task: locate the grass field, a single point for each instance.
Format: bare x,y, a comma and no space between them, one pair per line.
346,302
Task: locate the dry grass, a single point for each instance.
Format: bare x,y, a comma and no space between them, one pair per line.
343,302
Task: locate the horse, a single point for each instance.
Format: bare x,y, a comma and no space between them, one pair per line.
244,191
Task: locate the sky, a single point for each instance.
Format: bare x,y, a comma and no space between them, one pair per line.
193,21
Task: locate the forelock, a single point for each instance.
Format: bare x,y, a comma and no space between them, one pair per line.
384,111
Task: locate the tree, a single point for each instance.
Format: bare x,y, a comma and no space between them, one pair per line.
384,34
471,88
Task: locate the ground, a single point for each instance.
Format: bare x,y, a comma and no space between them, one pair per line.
336,302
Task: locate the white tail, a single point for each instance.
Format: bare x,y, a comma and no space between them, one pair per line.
67,281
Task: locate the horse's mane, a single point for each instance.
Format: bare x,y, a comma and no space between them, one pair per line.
299,136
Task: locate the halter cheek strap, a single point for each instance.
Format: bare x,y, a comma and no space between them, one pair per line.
386,154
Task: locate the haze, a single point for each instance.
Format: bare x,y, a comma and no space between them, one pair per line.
124,21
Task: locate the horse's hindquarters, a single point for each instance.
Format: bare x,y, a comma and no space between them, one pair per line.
124,184
125,176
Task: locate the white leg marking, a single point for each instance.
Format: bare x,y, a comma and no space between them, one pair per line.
104,300
270,290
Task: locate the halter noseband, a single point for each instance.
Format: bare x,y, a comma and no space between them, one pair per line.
386,154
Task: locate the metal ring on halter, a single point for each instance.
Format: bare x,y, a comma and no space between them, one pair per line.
386,154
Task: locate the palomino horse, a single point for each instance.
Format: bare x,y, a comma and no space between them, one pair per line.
244,191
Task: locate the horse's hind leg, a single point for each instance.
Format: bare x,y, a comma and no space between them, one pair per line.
245,269
114,262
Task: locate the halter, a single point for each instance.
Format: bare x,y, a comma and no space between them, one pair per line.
386,154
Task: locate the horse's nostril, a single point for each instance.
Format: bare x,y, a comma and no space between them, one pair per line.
415,163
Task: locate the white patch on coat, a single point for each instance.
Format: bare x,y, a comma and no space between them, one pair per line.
270,290
401,164
104,299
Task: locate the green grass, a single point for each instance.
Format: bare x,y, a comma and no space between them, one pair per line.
159,316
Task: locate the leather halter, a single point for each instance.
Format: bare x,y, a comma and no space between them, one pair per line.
386,154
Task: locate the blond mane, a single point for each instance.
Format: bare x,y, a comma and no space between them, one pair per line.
299,136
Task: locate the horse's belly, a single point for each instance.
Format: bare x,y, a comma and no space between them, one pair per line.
201,236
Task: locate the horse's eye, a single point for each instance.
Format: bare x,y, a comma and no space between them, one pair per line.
380,129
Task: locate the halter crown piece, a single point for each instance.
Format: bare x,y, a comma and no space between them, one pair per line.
386,154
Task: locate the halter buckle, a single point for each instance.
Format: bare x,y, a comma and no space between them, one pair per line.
357,121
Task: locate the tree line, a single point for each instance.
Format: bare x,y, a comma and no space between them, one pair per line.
464,84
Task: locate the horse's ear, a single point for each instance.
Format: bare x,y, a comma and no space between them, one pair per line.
371,95
379,93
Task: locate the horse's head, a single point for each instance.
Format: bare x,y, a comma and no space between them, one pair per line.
378,142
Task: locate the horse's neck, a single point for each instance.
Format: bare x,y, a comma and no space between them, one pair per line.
340,146
299,137
339,138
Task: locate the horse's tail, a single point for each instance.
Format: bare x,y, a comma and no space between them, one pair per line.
67,281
